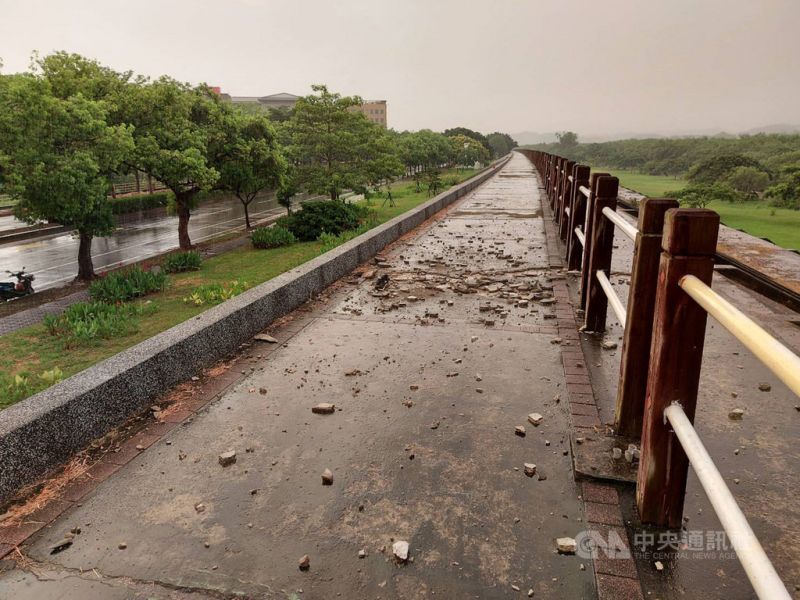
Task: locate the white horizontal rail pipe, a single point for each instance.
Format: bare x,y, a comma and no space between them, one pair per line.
626,227
775,356
613,299
580,236
585,191
759,569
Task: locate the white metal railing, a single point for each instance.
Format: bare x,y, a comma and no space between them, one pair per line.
613,299
620,222
580,236
775,356
585,191
759,569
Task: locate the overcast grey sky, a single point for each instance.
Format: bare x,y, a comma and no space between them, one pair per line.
511,65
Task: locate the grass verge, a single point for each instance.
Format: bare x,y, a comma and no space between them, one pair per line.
30,356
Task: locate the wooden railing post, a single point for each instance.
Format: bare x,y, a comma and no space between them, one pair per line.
566,196
587,248
632,386
577,217
679,329
600,258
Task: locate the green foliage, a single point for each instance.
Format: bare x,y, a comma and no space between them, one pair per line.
128,204
19,387
466,132
750,181
786,193
468,151
121,286
86,322
331,217
500,143
719,168
251,160
182,261
272,237
424,149
698,195
434,181
333,146
330,241
214,293
567,139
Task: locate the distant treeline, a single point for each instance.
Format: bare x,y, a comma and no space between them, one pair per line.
730,168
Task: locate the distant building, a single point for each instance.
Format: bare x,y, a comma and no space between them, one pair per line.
282,100
375,111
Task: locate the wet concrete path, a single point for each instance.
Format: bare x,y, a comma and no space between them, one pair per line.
430,376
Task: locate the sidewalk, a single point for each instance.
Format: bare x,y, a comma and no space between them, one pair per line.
430,376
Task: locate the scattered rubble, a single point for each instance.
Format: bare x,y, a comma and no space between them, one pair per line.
534,419
566,545
304,563
400,550
227,458
327,477
323,408
736,414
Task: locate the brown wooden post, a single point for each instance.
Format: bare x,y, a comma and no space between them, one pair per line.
580,177
632,386
679,329
566,193
587,248
600,257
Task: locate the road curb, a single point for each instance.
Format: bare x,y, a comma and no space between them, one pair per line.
41,432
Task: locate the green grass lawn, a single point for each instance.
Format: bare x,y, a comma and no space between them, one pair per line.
779,225
654,186
32,351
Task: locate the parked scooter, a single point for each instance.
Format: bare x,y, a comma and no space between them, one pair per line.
23,287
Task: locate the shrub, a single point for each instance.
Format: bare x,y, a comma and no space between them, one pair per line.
698,195
128,204
121,286
85,322
182,261
329,242
272,237
214,293
329,216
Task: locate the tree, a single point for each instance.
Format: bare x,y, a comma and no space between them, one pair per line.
500,144
57,155
468,150
479,137
328,139
748,180
381,163
250,160
179,135
567,139
786,192
717,168
698,195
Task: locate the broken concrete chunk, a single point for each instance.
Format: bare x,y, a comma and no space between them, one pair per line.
519,430
304,563
530,469
263,337
566,545
323,408
616,453
227,458
609,345
764,387
362,553
62,545
400,550
327,477
534,419
736,414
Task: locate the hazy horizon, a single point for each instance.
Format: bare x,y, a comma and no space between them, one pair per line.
678,67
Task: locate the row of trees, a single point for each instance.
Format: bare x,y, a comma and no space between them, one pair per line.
70,124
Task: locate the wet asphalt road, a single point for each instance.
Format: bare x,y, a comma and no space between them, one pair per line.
53,259
429,387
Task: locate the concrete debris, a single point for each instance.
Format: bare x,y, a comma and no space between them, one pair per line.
263,337
736,414
659,565
519,430
323,408
616,453
530,469
200,507
534,419
227,458
60,546
400,550
609,345
362,554
566,545
304,563
764,387
327,477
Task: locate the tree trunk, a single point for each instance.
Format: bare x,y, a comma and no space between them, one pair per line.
182,203
138,181
85,266
247,214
